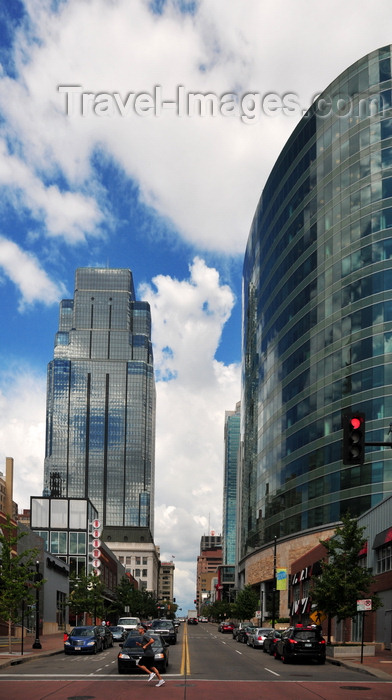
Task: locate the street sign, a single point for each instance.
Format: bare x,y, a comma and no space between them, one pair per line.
364,605
318,616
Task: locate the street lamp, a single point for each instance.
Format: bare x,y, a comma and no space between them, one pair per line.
37,644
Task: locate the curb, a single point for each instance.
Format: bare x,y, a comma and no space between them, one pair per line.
24,659
367,670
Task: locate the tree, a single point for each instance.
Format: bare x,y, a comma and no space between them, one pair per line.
140,603
86,595
17,576
343,581
220,609
246,604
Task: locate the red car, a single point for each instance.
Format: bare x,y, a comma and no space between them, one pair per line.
226,627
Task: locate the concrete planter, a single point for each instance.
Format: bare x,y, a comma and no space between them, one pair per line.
348,651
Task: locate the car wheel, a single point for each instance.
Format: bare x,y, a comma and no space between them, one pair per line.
284,659
321,661
276,655
95,649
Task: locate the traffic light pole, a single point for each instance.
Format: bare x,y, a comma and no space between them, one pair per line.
378,444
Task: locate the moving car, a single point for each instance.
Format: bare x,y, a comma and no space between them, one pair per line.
257,636
84,640
226,627
129,623
192,621
130,653
270,642
118,633
166,629
301,643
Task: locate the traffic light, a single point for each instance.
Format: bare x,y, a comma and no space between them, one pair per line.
353,438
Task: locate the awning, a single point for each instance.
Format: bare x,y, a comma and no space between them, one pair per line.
382,538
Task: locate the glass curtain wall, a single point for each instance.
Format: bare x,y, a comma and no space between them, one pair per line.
100,437
317,324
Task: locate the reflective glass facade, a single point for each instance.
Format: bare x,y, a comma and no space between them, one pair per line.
317,326
232,443
100,432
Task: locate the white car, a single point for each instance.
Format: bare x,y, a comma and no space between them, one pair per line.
129,623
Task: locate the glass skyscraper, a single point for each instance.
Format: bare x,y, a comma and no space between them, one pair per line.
317,325
100,431
232,444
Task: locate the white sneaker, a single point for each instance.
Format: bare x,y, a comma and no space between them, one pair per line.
151,676
161,682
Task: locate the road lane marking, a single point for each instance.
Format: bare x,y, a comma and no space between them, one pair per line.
269,670
185,668
238,652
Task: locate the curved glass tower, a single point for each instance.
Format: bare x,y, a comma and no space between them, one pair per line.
100,410
317,323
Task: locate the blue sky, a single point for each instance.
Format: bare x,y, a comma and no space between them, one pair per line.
98,169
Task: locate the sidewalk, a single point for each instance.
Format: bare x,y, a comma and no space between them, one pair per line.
379,665
50,643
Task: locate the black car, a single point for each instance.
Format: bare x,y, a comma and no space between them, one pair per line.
270,642
166,629
242,635
107,637
131,652
84,640
301,643
192,621
118,633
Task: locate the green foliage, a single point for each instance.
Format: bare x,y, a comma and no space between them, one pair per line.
140,603
17,575
86,595
220,610
343,581
246,604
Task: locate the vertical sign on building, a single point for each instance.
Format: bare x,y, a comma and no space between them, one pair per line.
95,530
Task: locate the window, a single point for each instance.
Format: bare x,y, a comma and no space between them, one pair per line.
77,543
137,561
144,561
384,559
58,542
145,573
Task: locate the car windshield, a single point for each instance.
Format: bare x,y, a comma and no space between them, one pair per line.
161,625
305,635
82,632
128,621
116,629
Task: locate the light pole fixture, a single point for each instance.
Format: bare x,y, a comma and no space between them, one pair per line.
37,644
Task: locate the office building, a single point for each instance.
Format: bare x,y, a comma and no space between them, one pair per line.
317,326
231,447
100,433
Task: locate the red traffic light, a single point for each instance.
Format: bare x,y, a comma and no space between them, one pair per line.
355,423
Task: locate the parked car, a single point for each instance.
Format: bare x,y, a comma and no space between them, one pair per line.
166,629
118,633
130,653
84,640
257,636
270,642
107,637
243,633
239,627
226,627
301,643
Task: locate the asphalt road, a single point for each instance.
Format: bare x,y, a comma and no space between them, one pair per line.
203,664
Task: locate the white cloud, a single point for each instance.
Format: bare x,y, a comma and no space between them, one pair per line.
188,316
22,429
26,273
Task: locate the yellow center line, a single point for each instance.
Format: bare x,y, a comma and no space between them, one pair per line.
185,662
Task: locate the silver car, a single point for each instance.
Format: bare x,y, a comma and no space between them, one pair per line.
256,637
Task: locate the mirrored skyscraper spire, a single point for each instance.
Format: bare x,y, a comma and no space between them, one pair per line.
100,431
